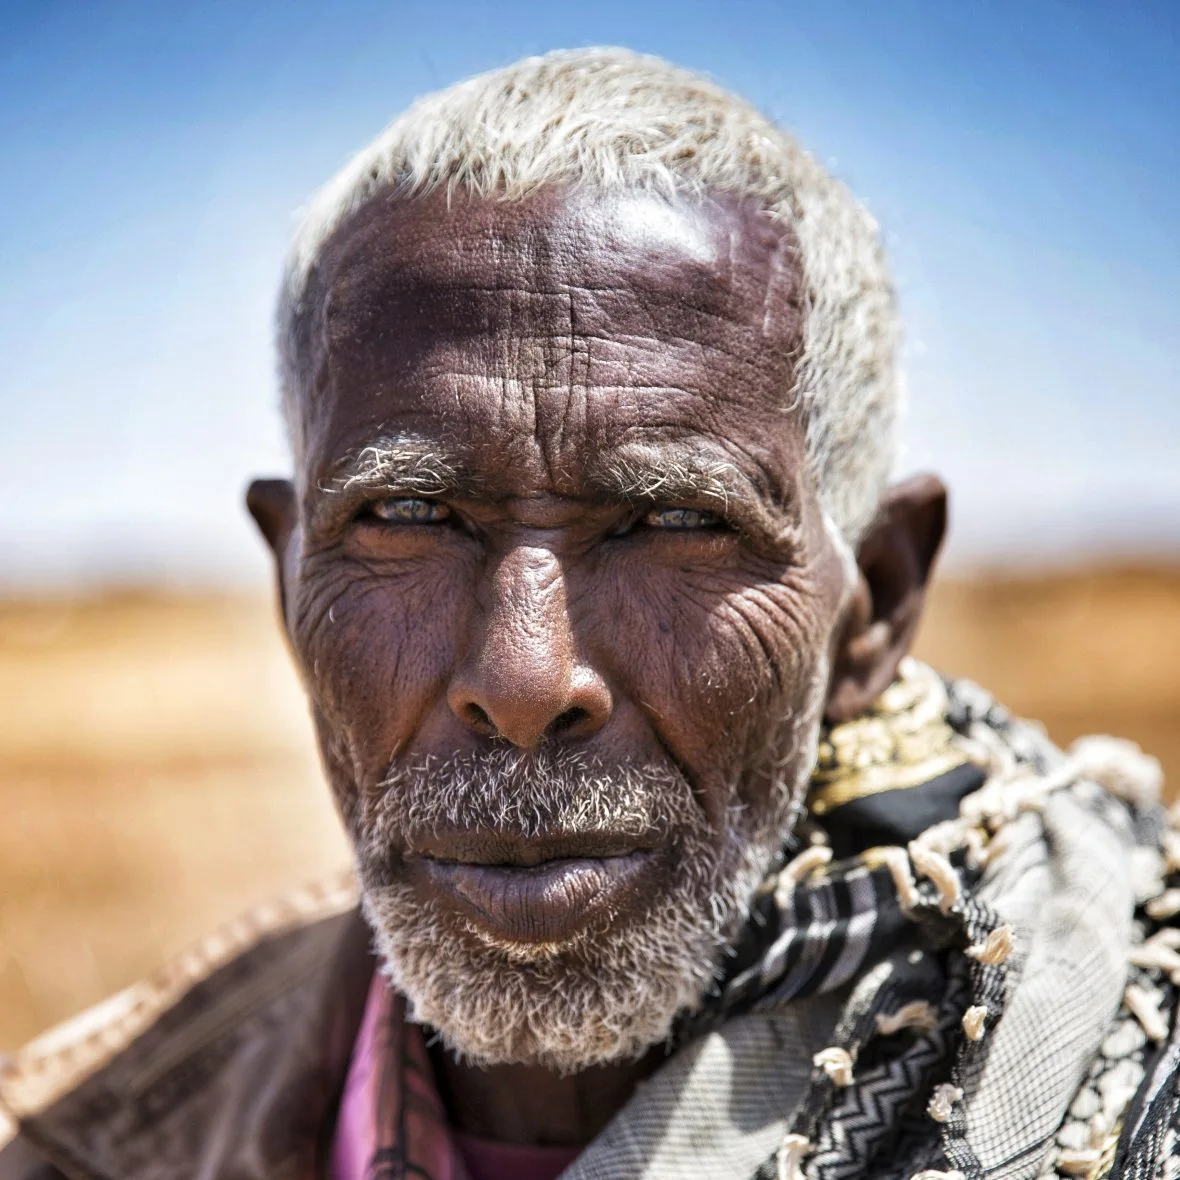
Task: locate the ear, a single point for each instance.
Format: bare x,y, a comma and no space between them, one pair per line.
893,566
272,504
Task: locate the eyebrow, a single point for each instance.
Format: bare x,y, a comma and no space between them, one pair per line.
642,476
660,477
654,476
402,465
398,466
418,467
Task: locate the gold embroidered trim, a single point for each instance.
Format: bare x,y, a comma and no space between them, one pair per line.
1105,1162
902,741
60,1059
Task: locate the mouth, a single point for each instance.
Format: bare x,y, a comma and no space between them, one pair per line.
534,891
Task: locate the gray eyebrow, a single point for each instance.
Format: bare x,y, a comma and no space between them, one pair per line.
663,477
641,475
401,465
658,474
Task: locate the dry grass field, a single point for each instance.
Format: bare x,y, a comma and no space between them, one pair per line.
157,772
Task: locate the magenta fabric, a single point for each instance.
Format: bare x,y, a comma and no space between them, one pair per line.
488,1160
391,1109
356,1129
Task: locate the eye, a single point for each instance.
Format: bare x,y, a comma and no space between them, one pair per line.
681,519
409,510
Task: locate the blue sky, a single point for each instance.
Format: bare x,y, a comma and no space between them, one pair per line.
1022,158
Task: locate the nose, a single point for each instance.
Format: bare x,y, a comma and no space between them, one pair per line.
523,679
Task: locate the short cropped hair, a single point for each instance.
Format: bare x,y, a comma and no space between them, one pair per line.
611,120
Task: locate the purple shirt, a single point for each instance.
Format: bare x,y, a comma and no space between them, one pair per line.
391,1103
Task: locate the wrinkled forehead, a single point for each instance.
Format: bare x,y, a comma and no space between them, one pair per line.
591,318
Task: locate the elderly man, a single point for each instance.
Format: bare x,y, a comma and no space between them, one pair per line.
671,862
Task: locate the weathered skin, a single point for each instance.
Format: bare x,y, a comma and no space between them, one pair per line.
539,349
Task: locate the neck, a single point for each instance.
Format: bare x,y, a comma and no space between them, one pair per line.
529,1104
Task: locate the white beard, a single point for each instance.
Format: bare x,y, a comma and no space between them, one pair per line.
616,988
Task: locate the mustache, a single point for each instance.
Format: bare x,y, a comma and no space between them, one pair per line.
527,794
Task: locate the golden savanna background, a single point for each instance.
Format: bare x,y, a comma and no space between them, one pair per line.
157,772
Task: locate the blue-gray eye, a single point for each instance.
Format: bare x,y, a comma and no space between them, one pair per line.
681,518
410,510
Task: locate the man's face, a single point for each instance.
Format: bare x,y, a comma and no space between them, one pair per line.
563,598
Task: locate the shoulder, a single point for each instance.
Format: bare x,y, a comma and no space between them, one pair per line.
57,1061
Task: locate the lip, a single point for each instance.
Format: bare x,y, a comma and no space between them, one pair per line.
501,849
548,900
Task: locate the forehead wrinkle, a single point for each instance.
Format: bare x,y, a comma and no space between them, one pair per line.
533,245
561,346
373,273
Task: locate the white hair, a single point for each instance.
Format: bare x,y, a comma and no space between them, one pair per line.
609,120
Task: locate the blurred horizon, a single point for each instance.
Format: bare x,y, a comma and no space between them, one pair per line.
1021,159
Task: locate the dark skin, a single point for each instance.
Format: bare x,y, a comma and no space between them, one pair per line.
619,543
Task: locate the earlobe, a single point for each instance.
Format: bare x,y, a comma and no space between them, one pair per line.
894,563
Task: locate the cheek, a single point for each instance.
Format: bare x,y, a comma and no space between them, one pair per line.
377,646
722,661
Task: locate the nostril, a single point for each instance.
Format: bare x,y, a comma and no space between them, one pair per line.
570,719
477,718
